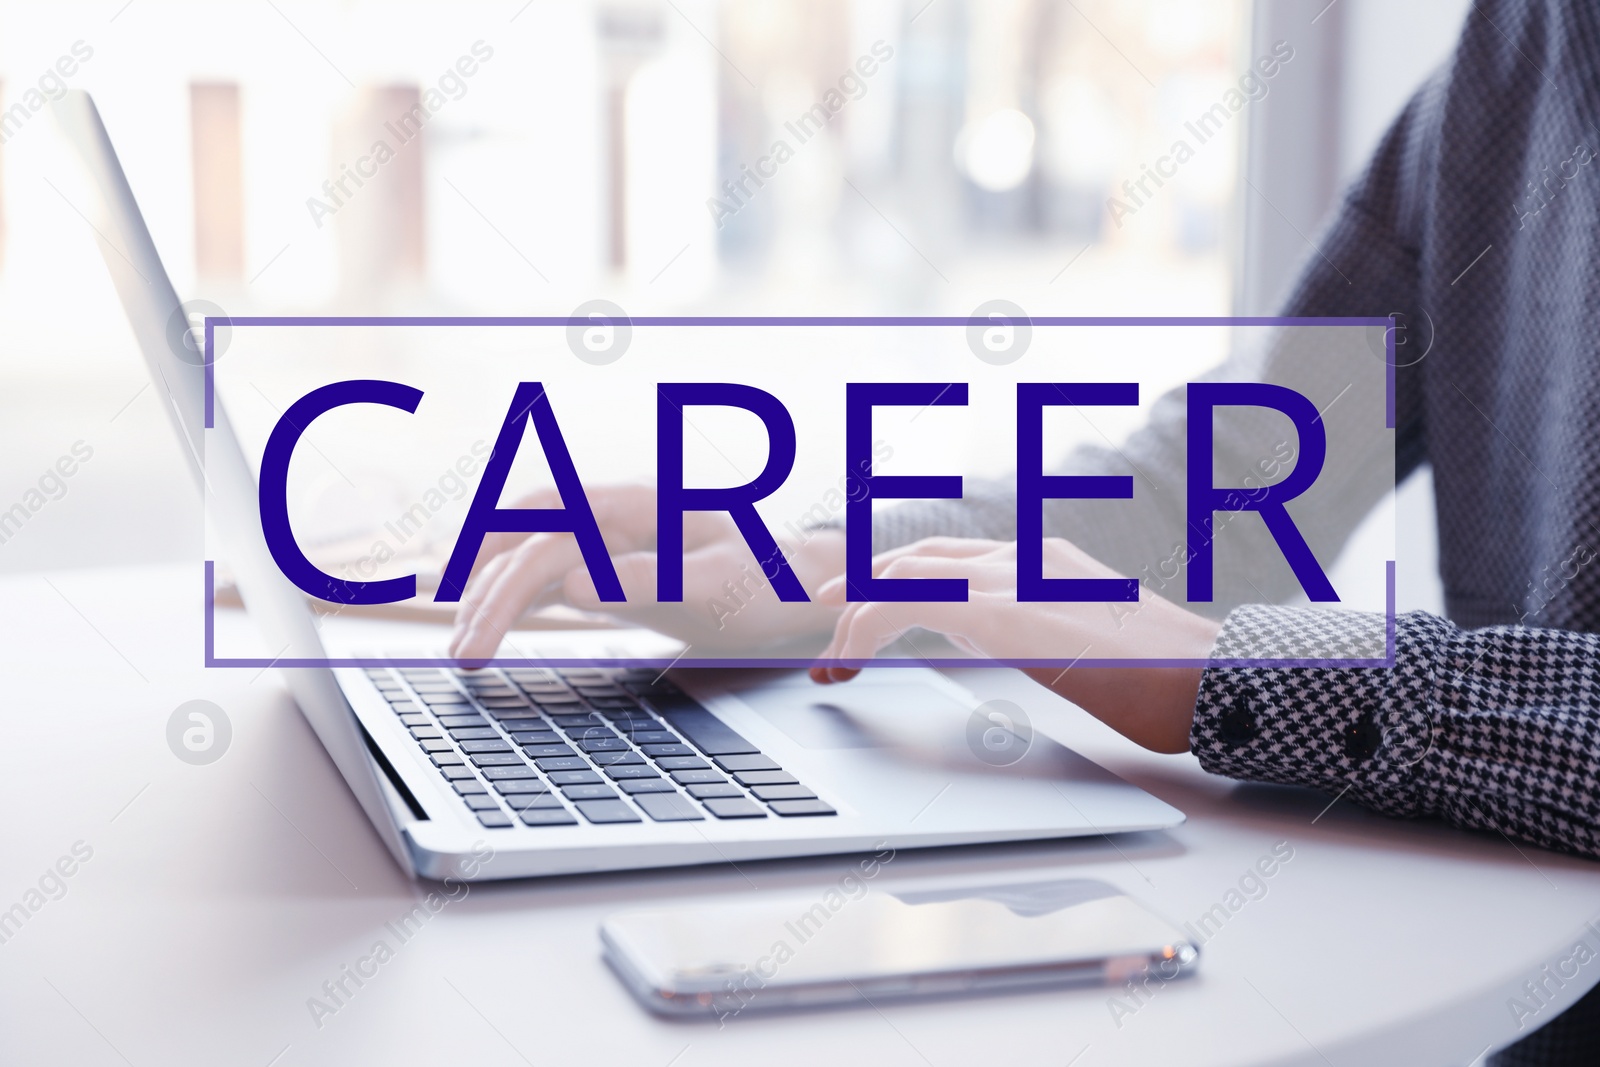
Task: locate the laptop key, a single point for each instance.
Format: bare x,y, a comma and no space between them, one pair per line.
547,817
802,807
682,763
458,773
646,785
451,697
782,792
518,718
574,778
734,808
527,726
630,770
562,763
588,792
541,750
707,777
666,750
426,733
495,745
415,719
475,733
746,763
494,820
495,774
704,730
445,759
601,811
404,707
469,785
497,759
765,778
603,744
653,737
532,801
436,744
668,807
506,786
714,790
612,759
481,802
457,722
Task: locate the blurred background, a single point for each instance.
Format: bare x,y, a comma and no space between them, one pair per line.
673,156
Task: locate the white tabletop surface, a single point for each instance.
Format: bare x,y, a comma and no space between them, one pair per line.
217,899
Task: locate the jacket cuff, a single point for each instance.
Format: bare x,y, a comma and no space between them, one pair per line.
1361,729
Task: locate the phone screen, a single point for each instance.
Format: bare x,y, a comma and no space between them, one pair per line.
834,946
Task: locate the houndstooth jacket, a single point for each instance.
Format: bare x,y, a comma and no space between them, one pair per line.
1478,220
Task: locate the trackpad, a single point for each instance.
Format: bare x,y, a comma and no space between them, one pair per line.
860,716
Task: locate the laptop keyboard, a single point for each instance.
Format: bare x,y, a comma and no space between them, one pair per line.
545,746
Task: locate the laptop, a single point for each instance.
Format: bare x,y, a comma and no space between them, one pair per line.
523,772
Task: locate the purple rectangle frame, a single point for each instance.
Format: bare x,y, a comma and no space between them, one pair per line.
213,660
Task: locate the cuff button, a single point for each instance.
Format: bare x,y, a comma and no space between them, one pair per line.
1363,739
1237,726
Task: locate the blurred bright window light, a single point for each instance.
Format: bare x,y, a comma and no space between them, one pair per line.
996,151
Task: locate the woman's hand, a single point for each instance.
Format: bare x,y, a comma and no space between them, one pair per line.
1153,706
727,602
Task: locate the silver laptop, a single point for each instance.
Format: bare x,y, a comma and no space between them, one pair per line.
509,773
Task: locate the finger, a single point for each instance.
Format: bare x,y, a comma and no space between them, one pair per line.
903,564
536,565
636,571
702,528
947,547
466,608
486,576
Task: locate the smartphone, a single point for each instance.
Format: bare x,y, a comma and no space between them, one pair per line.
856,943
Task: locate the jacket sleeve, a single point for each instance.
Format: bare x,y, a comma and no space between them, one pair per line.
1494,729
1365,264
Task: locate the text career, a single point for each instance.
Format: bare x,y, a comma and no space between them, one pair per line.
673,499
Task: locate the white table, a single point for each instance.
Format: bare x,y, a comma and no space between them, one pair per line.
219,898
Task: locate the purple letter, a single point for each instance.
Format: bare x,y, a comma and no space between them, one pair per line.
1206,499
274,491
487,516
